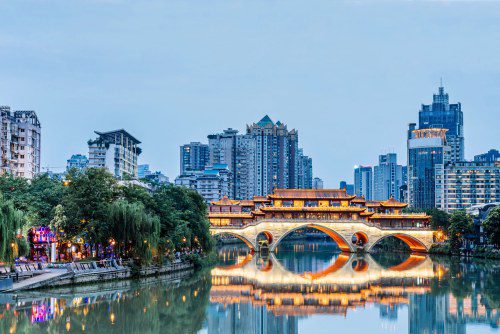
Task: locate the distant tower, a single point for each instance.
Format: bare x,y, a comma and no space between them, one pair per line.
363,181
442,114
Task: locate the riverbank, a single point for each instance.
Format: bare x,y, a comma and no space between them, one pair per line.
90,272
478,252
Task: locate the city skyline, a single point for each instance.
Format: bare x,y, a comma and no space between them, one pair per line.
312,83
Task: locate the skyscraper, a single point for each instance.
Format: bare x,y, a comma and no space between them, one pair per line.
363,181
273,155
303,177
193,157
20,142
427,150
238,153
490,156
441,114
117,151
387,178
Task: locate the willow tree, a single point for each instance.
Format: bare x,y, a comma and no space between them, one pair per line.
134,232
11,221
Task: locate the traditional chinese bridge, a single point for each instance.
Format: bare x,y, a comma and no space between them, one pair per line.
352,222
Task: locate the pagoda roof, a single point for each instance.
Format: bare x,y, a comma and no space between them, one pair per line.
359,199
260,199
367,213
226,201
247,202
310,194
372,204
392,203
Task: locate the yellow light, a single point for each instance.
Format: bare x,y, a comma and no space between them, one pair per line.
12,245
68,326
183,298
112,318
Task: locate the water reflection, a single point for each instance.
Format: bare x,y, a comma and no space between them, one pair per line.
303,288
289,289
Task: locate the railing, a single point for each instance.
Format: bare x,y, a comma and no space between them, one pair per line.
311,220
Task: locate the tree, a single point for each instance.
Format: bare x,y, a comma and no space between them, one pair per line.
45,194
460,227
86,201
11,222
440,220
16,190
135,233
491,226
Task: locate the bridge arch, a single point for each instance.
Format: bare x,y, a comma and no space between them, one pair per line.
341,242
359,238
412,242
242,238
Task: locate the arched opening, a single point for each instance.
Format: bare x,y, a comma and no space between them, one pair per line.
226,238
400,243
359,239
359,265
411,262
264,237
264,264
314,233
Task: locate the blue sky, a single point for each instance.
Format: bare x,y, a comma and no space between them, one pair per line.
349,75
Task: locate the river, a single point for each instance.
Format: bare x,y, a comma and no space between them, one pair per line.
305,287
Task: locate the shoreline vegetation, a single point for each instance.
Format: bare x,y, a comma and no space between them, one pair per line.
93,216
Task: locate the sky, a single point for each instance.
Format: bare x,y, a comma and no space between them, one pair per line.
348,75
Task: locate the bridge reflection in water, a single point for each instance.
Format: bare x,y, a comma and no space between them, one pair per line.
275,292
347,282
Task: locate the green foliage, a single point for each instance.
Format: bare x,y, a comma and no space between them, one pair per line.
460,226
11,221
440,220
86,203
91,205
492,226
137,233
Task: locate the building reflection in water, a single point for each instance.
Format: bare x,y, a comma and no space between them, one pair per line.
251,294
274,294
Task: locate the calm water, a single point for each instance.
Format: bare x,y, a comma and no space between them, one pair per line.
303,288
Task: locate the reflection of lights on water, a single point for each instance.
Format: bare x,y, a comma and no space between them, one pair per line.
112,318
183,298
195,293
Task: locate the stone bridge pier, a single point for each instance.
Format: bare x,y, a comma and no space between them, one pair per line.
349,235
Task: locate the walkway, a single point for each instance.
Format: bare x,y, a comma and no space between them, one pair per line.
38,280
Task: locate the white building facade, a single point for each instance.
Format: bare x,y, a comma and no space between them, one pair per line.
117,151
20,143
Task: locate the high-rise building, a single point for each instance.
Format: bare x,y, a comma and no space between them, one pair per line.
20,137
363,181
318,183
193,157
117,151
490,156
77,161
275,155
238,153
303,175
157,178
427,148
387,178
143,171
460,185
349,188
441,114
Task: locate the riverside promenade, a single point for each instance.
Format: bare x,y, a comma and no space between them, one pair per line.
91,272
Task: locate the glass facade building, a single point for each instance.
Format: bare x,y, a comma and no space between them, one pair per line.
427,149
441,114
